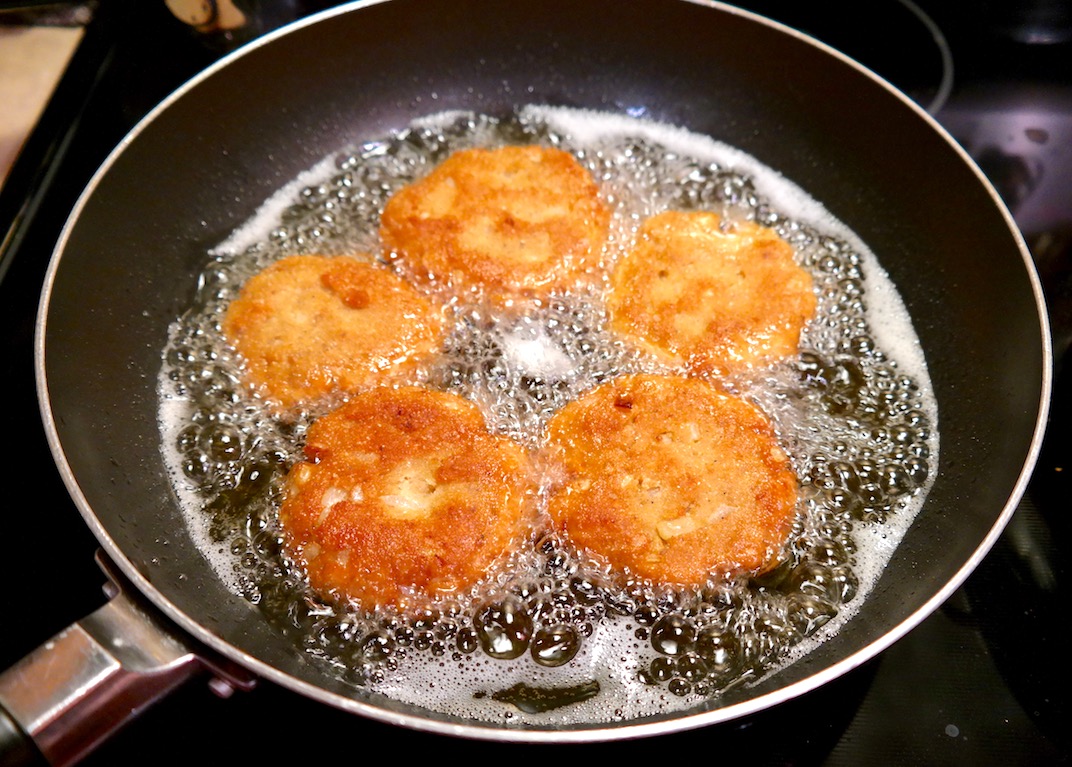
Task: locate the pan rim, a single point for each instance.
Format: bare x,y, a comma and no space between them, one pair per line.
491,731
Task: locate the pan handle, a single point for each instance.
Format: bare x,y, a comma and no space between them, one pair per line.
65,698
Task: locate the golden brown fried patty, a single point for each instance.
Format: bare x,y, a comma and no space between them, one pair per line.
308,326
671,478
714,301
404,490
515,221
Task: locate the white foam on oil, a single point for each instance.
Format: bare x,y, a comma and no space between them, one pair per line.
889,319
534,353
613,656
269,215
174,412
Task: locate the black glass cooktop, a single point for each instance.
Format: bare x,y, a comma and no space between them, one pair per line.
979,683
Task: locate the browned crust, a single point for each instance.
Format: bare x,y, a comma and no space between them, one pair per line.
508,222
404,492
309,326
712,297
671,479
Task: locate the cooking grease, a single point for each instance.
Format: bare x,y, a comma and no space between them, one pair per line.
555,636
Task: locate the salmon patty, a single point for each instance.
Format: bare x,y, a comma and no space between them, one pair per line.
671,479
404,493
710,296
310,326
519,221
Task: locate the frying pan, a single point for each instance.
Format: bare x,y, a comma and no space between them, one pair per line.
205,160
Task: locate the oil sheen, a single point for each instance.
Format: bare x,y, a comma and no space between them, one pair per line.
554,637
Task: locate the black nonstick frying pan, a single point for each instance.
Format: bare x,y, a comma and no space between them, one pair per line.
204,161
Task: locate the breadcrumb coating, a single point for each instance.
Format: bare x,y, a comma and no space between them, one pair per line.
502,223
404,493
672,479
710,296
310,326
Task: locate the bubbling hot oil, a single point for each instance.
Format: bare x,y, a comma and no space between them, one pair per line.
552,636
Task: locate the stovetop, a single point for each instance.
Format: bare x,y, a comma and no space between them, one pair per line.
979,682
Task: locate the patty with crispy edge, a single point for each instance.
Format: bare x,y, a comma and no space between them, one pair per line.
308,326
404,492
708,295
508,222
671,478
